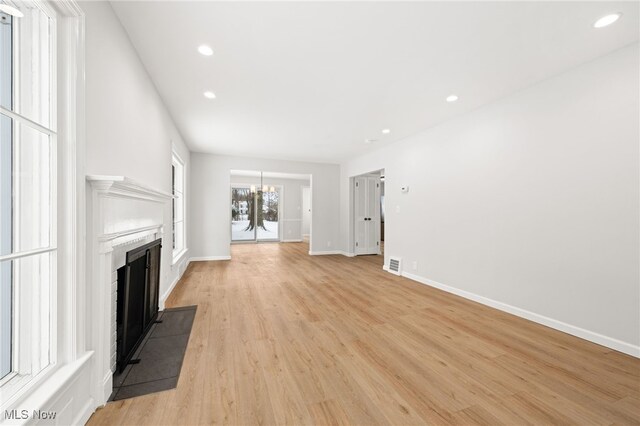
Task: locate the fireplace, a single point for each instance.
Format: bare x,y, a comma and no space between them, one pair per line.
137,299
122,215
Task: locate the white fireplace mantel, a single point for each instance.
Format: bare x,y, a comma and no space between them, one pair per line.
125,187
121,213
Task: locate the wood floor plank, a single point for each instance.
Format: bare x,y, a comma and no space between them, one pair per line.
281,337
328,413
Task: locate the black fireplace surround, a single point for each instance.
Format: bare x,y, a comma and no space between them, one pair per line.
137,299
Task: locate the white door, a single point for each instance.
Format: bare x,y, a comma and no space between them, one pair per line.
373,214
306,211
367,215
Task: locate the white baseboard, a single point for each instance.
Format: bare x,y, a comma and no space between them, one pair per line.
107,386
207,258
167,293
323,253
591,336
292,241
85,413
181,271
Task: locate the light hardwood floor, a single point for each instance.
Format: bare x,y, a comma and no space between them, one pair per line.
281,337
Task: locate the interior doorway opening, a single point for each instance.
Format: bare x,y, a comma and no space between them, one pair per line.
368,213
267,206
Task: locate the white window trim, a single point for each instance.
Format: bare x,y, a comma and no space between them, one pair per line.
19,380
178,254
68,311
281,217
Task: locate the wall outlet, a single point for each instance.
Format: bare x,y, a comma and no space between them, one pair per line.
328,243
397,209
289,231
414,265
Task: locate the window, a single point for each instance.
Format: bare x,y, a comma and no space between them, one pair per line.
28,180
177,189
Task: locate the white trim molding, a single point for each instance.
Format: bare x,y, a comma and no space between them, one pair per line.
208,258
120,213
325,253
178,257
67,389
166,294
591,336
328,252
121,186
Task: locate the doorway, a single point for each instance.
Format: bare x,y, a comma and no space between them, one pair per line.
368,213
267,206
255,213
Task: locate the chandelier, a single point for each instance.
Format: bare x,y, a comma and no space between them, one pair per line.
265,188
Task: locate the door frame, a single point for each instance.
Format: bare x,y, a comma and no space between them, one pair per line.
255,239
354,219
351,213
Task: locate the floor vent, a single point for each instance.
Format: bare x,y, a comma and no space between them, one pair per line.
395,264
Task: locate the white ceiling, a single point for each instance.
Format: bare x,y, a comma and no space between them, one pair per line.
312,80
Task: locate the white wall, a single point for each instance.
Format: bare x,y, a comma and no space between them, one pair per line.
210,211
532,202
129,131
290,203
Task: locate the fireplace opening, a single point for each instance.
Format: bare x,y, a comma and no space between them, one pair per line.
137,299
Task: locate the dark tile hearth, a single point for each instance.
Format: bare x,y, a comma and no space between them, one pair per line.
161,354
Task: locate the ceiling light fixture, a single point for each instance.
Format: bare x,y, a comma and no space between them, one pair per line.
607,20
386,131
205,50
265,188
11,10
452,98
209,95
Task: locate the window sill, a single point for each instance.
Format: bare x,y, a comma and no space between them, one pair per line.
18,387
177,256
49,384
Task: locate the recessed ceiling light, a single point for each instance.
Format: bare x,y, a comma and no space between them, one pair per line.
452,98
205,50
386,131
209,95
10,10
370,140
607,20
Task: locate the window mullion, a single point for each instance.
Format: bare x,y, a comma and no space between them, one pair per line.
27,253
27,122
